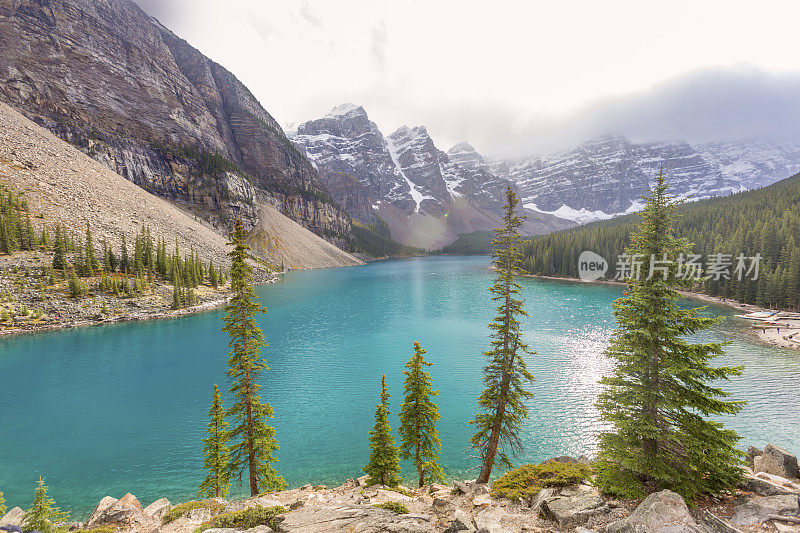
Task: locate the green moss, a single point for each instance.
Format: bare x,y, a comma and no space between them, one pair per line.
245,519
526,481
183,508
395,507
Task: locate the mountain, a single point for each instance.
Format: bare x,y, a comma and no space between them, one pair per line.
763,222
607,176
65,185
424,196
114,82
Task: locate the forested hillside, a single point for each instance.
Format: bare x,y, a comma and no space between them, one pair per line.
764,221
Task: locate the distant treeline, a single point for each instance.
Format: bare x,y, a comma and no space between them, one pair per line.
376,240
764,221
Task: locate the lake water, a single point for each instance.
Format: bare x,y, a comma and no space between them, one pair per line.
122,408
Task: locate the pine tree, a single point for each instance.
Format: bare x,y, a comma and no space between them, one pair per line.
502,403
419,439
216,463
659,394
43,514
59,249
384,462
177,295
254,441
212,275
5,237
91,264
124,261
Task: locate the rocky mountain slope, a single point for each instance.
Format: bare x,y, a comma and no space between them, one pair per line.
425,196
62,184
607,176
111,80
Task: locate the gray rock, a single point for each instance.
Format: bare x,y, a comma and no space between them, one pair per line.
712,524
752,512
101,507
752,453
763,487
463,488
461,522
221,530
14,517
546,493
570,511
661,512
777,461
338,518
158,508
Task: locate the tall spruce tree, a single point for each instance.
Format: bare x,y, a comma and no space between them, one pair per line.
60,248
502,403
419,439
254,441
43,515
384,462
91,263
216,463
660,393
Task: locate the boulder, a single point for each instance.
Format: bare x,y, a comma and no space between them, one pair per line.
101,507
385,496
338,518
762,487
546,493
752,453
712,524
362,481
461,487
757,509
483,501
125,512
571,511
461,522
14,517
660,512
777,461
158,508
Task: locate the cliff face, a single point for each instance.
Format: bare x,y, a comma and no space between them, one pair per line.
114,82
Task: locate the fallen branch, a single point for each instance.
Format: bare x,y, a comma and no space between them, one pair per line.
792,519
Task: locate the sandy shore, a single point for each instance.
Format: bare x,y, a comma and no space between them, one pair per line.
785,335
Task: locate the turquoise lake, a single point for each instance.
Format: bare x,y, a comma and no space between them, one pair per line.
122,408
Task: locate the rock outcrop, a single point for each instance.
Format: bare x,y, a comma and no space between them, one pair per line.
113,81
661,512
776,461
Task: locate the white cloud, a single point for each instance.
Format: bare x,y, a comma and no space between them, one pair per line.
486,72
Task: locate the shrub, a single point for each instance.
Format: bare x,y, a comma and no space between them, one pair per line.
245,519
183,508
526,481
395,507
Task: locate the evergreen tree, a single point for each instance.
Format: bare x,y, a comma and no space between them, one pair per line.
5,237
91,263
43,514
59,249
419,439
124,261
384,462
44,240
216,463
177,295
502,403
659,395
254,441
212,275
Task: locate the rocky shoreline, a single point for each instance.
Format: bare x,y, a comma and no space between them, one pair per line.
33,308
767,500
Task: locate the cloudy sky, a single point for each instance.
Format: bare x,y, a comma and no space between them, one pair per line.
513,78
